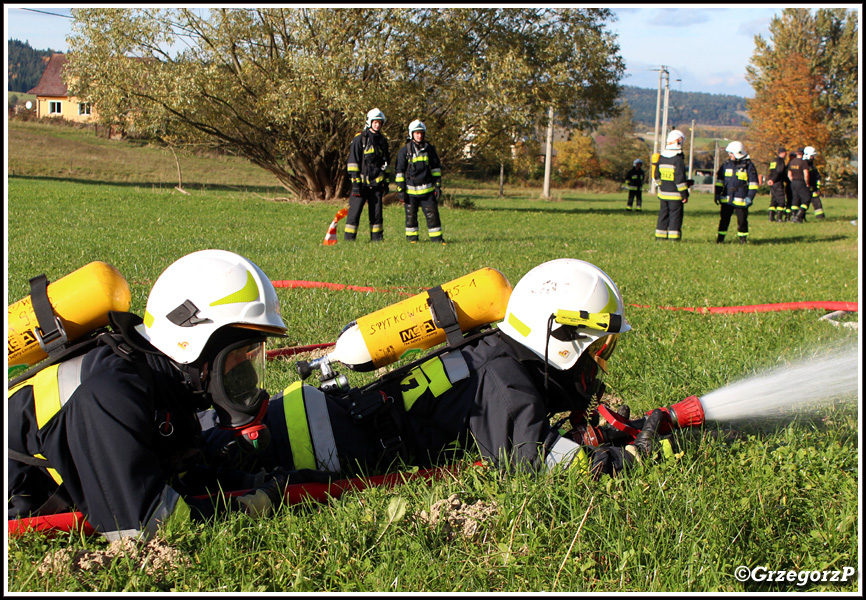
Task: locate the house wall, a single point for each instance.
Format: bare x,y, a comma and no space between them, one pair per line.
68,109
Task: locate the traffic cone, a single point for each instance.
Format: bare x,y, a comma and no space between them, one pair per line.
331,236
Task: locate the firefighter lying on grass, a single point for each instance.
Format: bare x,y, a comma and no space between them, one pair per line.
109,432
496,392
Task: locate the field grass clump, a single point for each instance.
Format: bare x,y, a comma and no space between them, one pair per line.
781,495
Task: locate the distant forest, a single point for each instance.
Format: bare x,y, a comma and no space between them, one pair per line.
25,66
705,109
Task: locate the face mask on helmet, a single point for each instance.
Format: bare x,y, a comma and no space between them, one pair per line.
234,385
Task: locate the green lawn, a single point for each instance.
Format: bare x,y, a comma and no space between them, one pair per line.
784,497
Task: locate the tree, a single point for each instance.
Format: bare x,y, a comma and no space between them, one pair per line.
620,148
576,158
826,42
289,88
786,109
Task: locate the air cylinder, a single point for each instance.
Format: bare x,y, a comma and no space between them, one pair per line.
81,300
382,337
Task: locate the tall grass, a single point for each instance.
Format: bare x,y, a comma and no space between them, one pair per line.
785,497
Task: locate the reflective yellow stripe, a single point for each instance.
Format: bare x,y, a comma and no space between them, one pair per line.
46,395
54,474
298,429
431,376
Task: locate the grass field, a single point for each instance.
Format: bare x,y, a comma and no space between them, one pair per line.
785,497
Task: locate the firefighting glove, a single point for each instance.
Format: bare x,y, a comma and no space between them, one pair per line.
437,193
610,460
261,501
717,199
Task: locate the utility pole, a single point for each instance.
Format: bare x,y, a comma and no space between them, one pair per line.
691,148
548,156
667,95
656,131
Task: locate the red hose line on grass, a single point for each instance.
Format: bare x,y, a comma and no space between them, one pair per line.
292,284
846,306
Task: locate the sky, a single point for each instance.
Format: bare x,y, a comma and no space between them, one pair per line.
705,48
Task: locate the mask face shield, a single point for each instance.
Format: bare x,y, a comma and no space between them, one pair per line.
236,383
602,348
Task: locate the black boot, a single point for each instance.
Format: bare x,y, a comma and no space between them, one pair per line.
720,239
772,215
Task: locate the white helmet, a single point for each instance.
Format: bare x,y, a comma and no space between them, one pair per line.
637,162
416,125
203,292
809,152
375,115
564,307
675,140
737,149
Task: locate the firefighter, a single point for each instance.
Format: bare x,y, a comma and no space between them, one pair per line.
368,158
495,393
109,431
777,180
634,181
736,187
419,181
798,175
673,188
814,186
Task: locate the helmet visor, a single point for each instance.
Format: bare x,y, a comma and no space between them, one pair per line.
602,348
241,370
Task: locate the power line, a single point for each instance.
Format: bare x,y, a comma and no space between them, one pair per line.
49,13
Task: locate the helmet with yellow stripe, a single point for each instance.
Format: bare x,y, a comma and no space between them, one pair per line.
564,308
210,312
202,293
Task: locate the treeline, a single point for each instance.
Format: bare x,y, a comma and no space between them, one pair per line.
25,66
707,109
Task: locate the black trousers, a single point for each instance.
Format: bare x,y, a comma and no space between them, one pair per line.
742,219
670,221
632,196
373,197
430,207
801,195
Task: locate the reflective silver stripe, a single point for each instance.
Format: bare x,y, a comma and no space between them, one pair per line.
561,454
455,366
321,433
168,504
113,536
68,378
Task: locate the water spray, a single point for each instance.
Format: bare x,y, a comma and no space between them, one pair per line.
810,386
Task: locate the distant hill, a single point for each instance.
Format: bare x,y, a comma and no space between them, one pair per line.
705,109
25,66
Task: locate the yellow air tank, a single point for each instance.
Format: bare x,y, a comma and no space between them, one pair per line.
81,300
382,337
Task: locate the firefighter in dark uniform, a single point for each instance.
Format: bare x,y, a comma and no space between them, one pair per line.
368,158
496,393
634,181
801,194
736,187
814,186
109,431
418,175
673,188
777,179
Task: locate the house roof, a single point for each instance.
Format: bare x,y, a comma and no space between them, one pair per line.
51,82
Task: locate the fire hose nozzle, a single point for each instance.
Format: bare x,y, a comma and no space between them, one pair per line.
686,413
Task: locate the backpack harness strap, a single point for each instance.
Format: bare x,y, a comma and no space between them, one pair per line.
49,332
